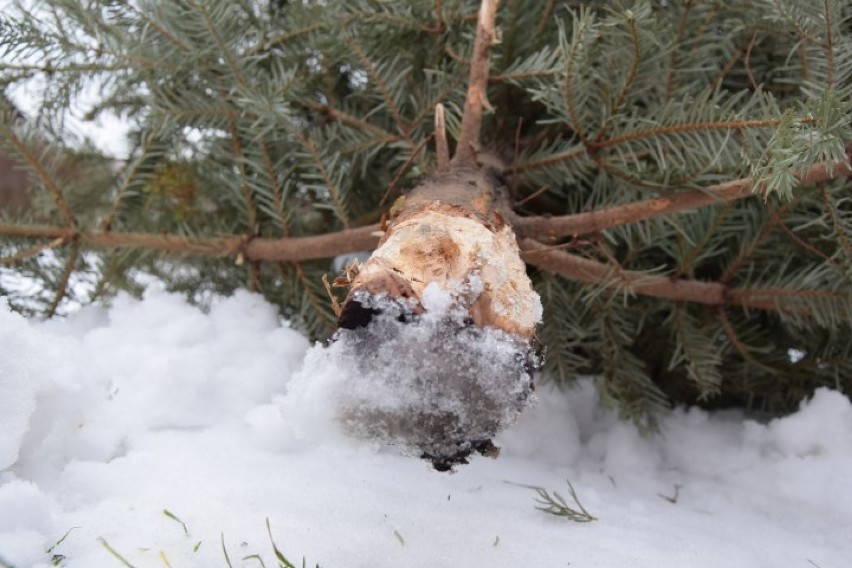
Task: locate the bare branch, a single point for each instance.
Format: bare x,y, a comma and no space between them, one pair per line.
477,98
62,289
51,185
595,221
293,249
591,271
441,149
32,251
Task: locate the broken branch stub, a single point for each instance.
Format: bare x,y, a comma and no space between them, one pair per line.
444,316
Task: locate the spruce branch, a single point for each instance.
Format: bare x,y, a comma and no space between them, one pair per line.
477,97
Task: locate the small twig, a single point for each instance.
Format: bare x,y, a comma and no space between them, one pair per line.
477,98
555,504
829,45
672,499
392,185
441,149
440,26
32,251
335,303
747,62
545,17
533,195
38,168
62,289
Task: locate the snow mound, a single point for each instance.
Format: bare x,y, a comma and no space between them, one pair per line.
118,420
432,385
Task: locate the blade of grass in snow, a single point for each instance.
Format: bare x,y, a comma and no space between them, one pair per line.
58,542
255,557
225,552
173,517
112,551
165,559
282,560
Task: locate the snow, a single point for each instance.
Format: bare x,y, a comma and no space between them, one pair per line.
430,385
120,426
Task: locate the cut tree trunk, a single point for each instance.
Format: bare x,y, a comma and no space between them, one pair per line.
449,266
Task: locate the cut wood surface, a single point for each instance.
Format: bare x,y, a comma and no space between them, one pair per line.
451,234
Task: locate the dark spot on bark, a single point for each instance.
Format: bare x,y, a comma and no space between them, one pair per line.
447,463
355,315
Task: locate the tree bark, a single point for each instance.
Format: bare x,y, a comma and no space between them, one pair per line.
450,233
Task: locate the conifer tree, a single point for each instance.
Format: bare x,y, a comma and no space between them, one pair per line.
676,172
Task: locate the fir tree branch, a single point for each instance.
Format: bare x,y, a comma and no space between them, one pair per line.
477,97
595,221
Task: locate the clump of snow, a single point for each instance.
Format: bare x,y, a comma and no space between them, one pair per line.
430,385
112,426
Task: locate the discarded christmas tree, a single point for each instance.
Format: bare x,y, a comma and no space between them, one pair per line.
675,175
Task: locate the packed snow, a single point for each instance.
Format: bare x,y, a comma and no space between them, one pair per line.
153,434
430,384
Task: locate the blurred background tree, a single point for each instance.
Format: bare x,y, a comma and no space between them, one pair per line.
678,169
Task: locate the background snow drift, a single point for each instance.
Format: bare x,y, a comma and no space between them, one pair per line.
163,433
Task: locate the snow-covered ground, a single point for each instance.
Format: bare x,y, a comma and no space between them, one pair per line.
152,434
